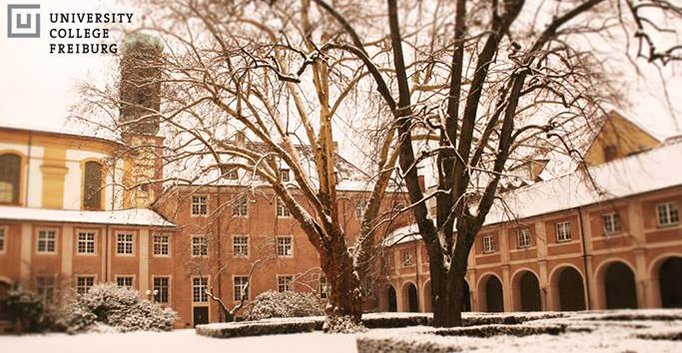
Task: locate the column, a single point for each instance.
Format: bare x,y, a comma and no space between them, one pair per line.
26,252
67,251
506,288
143,280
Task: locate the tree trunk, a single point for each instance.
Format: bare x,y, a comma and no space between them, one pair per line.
345,296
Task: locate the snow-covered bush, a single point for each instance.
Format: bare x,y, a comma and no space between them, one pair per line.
258,328
342,324
283,304
26,312
118,307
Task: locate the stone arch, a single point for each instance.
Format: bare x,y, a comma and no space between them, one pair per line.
526,291
567,287
391,298
666,274
490,293
410,297
466,305
616,284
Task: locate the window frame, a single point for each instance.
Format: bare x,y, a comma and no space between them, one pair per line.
670,208
408,261
168,244
201,212
323,288
523,238
94,232
78,286
488,244
20,177
125,277
54,240
168,289
360,207
289,284
285,175
241,285
203,248
613,217
247,246
291,245
240,204
567,236
125,241
279,205
102,184
202,295
51,288
4,231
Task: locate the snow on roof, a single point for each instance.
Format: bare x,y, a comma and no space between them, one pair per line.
64,130
655,169
404,234
131,217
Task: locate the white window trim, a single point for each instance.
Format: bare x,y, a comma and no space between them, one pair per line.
613,216
169,245
360,208
668,213
291,243
492,242
192,245
248,246
520,234
403,259
567,225
248,211
116,253
291,284
286,213
133,285
56,241
249,290
94,279
83,230
191,205
320,290
5,237
170,286
191,288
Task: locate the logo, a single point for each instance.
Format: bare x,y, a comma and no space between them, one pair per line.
23,21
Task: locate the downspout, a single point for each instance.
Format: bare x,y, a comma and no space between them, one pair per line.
588,305
28,167
107,246
220,254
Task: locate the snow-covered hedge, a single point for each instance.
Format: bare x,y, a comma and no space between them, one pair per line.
118,307
394,320
26,312
272,304
257,328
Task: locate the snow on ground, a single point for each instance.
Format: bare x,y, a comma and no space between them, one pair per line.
609,331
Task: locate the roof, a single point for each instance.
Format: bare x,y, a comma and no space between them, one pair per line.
131,217
63,131
651,170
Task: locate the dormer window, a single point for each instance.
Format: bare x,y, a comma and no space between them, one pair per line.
285,174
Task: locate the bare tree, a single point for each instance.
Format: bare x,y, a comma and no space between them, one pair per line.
497,82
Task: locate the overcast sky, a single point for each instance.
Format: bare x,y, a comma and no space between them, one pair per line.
38,88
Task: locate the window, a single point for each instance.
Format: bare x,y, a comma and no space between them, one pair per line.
407,257
10,169
84,283
199,288
47,240
284,247
668,214
199,246
3,238
86,242
285,283
563,231
161,245
388,260
240,289
161,285
199,205
240,207
92,186
240,246
232,175
124,281
45,287
285,174
124,244
611,223
360,209
488,244
324,287
282,210
523,238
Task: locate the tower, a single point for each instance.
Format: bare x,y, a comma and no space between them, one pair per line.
140,102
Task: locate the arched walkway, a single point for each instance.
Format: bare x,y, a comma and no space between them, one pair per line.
571,289
410,298
620,290
670,282
490,294
527,292
392,299
466,305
